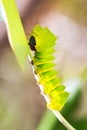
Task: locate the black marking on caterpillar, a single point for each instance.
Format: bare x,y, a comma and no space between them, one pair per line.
32,43
32,62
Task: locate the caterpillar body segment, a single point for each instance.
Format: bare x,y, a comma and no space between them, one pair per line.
46,54
42,41
44,68
40,61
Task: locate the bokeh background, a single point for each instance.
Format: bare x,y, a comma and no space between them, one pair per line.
21,105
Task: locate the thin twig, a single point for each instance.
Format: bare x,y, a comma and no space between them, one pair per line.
63,120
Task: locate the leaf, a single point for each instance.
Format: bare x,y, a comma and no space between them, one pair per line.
16,34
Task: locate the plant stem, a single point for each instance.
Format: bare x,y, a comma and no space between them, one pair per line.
63,120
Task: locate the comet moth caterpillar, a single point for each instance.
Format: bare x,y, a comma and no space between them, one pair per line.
42,42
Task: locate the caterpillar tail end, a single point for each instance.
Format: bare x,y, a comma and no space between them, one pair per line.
58,102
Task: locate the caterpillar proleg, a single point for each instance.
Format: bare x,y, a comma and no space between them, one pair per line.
42,41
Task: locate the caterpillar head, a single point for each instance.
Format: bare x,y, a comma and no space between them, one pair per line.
41,39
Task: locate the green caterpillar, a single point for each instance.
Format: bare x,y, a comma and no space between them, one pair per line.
42,41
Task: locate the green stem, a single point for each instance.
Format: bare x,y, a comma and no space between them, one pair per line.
63,120
16,34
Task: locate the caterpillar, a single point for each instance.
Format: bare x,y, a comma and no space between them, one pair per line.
41,43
